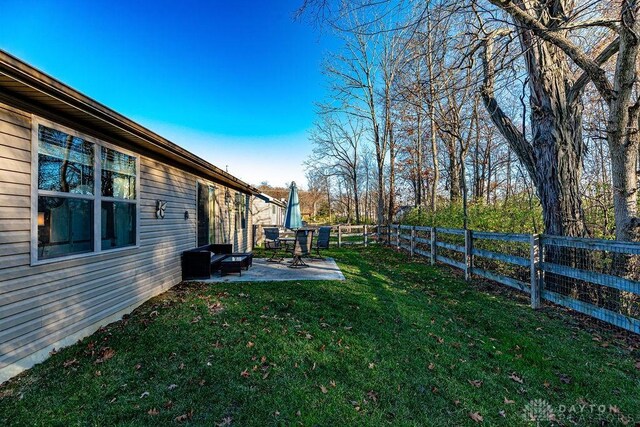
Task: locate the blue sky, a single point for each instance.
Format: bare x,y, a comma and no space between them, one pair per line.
232,81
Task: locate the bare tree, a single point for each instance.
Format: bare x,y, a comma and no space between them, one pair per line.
618,92
336,153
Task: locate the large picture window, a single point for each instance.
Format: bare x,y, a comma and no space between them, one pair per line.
87,197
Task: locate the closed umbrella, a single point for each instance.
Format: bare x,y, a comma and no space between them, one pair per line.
292,216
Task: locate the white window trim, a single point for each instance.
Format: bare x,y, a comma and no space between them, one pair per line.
97,198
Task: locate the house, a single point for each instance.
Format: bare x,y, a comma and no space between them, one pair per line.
95,211
266,211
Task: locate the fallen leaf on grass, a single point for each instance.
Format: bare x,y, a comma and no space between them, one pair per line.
145,394
172,386
323,389
372,395
638,364
70,363
333,383
431,366
250,344
226,421
509,402
565,378
475,416
502,413
153,412
184,417
372,365
245,374
105,354
475,383
196,319
215,308
516,378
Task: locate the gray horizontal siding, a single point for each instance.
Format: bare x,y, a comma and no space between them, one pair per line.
43,304
46,303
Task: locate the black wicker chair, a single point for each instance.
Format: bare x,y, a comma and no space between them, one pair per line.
200,262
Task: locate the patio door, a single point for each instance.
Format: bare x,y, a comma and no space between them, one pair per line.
206,214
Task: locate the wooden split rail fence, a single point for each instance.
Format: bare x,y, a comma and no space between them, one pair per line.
599,278
346,235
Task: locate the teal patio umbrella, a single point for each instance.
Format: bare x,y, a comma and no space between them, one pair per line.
292,216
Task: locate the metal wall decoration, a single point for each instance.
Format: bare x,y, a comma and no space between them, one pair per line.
161,206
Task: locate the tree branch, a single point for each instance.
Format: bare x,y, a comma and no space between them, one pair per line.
591,67
603,57
509,131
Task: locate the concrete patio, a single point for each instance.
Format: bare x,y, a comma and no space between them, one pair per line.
263,271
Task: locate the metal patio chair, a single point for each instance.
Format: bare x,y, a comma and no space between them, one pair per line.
301,247
322,242
272,243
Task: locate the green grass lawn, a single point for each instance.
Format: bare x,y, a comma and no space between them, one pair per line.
397,343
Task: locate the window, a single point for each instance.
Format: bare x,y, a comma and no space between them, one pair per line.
118,190
86,195
206,214
241,211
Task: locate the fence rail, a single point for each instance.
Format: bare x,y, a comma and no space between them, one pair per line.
599,278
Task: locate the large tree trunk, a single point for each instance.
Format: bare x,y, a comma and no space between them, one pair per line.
557,137
622,128
553,158
625,188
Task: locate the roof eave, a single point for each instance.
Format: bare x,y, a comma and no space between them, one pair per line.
24,74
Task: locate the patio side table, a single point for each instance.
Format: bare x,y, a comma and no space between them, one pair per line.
233,264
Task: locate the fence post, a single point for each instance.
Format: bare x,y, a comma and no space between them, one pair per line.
412,242
364,235
398,237
468,254
339,236
536,277
433,246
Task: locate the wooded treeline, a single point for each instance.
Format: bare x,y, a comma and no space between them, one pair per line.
499,105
